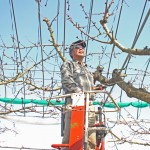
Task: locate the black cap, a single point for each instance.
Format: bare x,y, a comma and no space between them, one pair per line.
79,42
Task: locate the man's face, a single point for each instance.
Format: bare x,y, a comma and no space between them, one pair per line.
78,52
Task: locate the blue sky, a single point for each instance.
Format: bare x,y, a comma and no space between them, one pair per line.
26,15
27,23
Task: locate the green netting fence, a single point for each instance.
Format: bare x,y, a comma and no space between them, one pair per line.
62,102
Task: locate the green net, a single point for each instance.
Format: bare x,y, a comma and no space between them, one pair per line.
57,102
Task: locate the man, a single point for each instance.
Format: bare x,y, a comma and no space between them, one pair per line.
76,78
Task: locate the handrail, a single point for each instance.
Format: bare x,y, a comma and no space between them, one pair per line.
88,92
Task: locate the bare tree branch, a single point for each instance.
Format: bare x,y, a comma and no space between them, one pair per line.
145,51
134,51
53,39
130,90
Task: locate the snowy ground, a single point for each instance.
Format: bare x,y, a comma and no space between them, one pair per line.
39,134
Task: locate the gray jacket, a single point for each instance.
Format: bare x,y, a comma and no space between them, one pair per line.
76,77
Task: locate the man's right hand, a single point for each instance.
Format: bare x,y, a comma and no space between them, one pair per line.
100,87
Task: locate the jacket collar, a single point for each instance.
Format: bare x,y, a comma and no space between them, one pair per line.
83,64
